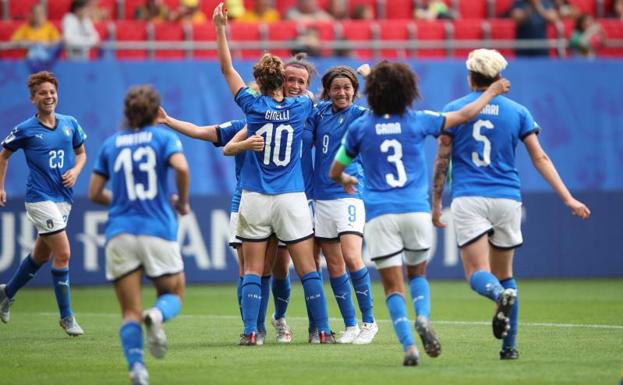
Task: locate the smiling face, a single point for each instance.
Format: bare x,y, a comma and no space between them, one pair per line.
341,93
45,98
297,79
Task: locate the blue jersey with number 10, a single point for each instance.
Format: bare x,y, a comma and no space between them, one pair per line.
136,163
483,150
277,169
391,148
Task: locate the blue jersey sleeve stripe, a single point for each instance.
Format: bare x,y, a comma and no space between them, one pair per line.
103,174
239,91
219,136
79,145
173,153
8,148
442,128
535,131
350,154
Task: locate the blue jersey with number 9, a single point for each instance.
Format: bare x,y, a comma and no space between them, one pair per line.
136,163
391,148
277,169
483,150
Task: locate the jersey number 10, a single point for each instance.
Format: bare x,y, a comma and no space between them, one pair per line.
276,147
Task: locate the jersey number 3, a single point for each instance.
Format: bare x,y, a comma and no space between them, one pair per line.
126,159
486,152
396,159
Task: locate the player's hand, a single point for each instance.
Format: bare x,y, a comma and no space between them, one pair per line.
162,116
500,86
436,216
579,209
2,197
254,143
349,182
364,70
219,17
69,178
182,208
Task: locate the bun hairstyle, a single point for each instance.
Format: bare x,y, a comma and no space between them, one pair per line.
391,88
269,73
141,106
300,61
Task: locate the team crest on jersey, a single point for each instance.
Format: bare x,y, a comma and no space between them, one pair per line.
341,120
50,224
67,131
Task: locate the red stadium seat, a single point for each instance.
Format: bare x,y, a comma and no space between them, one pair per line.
131,30
585,6
326,33
356,30
207,6
110,6
399,9
7,28
57,9
204,33
280,32
466,30
431,31
502,8
353,4
19,9
395,30
614,30
472,9
102,29
502,29
243,32
169,32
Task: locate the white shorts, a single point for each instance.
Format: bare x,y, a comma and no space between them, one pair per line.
48,217
474,217
390,238
337,217
127,252
233,227
285,215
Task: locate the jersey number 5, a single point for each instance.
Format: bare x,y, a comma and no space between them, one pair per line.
276,148
396,159
486,152
126,159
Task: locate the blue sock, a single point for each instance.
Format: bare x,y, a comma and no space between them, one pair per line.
509,341
281,295
251,298
402,326
316,301
420,295
265,290
169,305
131,336
25,272
363,291
239,293
344,297
485,284
60,278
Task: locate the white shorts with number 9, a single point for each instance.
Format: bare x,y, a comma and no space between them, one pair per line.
339,216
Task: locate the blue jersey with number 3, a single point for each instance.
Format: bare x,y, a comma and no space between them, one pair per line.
49,154
483,150
136,164
277,169
225,132
391,148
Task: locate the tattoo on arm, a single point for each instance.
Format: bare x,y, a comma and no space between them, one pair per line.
442,163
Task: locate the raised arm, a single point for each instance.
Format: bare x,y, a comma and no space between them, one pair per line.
4,165
182,180
189,129
546,168
243,142
471,110
224,56
440,174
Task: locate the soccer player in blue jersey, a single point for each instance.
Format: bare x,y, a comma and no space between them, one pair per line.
273,193
486,197
390,142
54,148
340,217
141,232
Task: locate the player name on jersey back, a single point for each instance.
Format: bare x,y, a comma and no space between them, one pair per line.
388,128
277,115
491,109
133,139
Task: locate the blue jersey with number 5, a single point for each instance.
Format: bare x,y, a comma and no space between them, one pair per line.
391,148
277,169
136,164
49,154
483,150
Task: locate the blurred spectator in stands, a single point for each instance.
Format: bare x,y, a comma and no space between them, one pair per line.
363,12
262,12
189,12
531,17
338,9
308,41
435,9
307,11
617,10
79,34
566,10
40,37
152,10
587,37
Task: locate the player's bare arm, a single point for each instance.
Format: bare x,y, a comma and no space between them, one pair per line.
339,176
207,133
233,78
242,142
471,110
546,168
97,190
440,174
182,180
4,165
71,176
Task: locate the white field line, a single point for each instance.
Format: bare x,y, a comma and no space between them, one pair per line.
440,322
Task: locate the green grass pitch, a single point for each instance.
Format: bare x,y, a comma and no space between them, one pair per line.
571,332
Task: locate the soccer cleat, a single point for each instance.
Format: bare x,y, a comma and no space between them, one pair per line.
261,337
509,354
430,341
156,338
349,334
284,334
139,375
367,333
326,338
501,322
71,327
412,357
248,339
5,304
314,338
